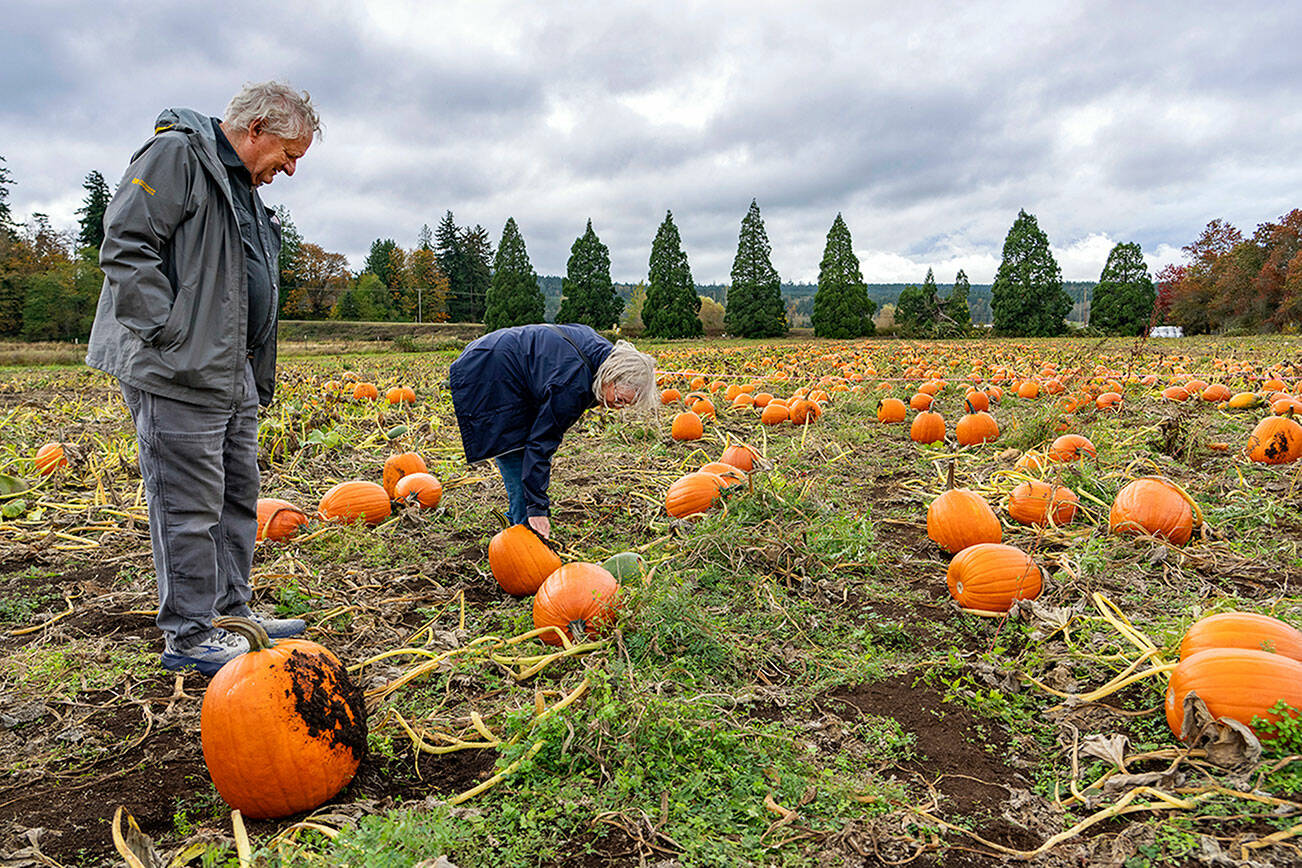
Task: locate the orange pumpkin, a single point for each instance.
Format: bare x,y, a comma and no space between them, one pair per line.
741,457
1155,506
960,518
398,466
890,410
1109,401
578,598
1175,393
775,414
991,576
1216,393
670,396
400,395
687,426
693,494
1068,448
425,488
278,520
1275,440
976,428
927,428
283,727
365,392
976,401
803,411
1033,502
50,458
349,501
1242,630
520,559
730,475
921,401
1238,683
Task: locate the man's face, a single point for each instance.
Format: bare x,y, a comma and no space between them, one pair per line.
265,154
617,397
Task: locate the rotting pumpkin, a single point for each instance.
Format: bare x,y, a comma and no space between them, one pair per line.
283,727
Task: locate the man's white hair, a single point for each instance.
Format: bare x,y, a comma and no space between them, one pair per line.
629,369
284,111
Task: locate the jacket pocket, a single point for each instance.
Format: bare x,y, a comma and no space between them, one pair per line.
176,328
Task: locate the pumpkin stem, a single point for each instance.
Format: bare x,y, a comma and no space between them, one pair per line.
578,627
949,480
249,629
501,517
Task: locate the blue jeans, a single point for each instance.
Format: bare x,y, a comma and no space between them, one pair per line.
511,466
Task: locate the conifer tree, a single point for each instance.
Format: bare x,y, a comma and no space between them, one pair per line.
291,244
956,318
842,308
451,256
477,269
587,294
1124,298
1027,298
911,313
672,305
381,262
92,210
514,297
755,308
6,216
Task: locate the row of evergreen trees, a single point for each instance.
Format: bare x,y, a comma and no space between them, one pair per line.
49,282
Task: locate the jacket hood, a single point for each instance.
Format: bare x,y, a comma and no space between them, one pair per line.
197,127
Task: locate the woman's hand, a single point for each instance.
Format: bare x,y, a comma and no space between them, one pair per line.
542,524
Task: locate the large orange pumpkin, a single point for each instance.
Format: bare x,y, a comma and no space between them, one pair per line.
975,428
1155,506
687,426
960,518
579,598
283,727
520,559
693,494
1069,447
399,465
1275,440
990,576
927,427
357,499
424,487
278,520
1242,630
890,410
1033,502
1238,683
741,457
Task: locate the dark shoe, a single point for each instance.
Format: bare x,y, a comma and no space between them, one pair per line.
208,653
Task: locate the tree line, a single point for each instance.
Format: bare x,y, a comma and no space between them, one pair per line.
50,281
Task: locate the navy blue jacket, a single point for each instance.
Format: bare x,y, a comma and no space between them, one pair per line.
522,388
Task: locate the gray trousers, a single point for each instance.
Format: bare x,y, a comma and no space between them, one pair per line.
200,467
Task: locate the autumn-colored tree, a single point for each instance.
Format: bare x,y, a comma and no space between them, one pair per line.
426,299
291,244
1193,296
320,277
711,316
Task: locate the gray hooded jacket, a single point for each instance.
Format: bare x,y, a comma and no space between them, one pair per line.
173,313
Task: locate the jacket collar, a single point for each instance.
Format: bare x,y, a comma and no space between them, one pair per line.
198,128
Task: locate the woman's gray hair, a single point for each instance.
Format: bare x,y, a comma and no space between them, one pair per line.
284,111
627,368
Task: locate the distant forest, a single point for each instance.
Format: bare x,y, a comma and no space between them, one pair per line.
800,297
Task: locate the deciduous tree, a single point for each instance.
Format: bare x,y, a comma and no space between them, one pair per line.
1027,297
587,294
514,297
1124,297
672,304
842,308
755,307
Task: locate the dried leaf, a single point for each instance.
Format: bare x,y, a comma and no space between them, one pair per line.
1229,743
1110,748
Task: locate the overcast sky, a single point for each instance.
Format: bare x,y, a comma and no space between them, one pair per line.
926,125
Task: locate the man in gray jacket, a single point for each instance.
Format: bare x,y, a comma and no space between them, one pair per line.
187,323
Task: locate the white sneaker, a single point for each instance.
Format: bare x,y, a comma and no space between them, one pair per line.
210,652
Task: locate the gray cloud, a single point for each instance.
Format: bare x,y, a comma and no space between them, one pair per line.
926,128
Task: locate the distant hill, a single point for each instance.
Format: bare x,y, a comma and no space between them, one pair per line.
800,297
